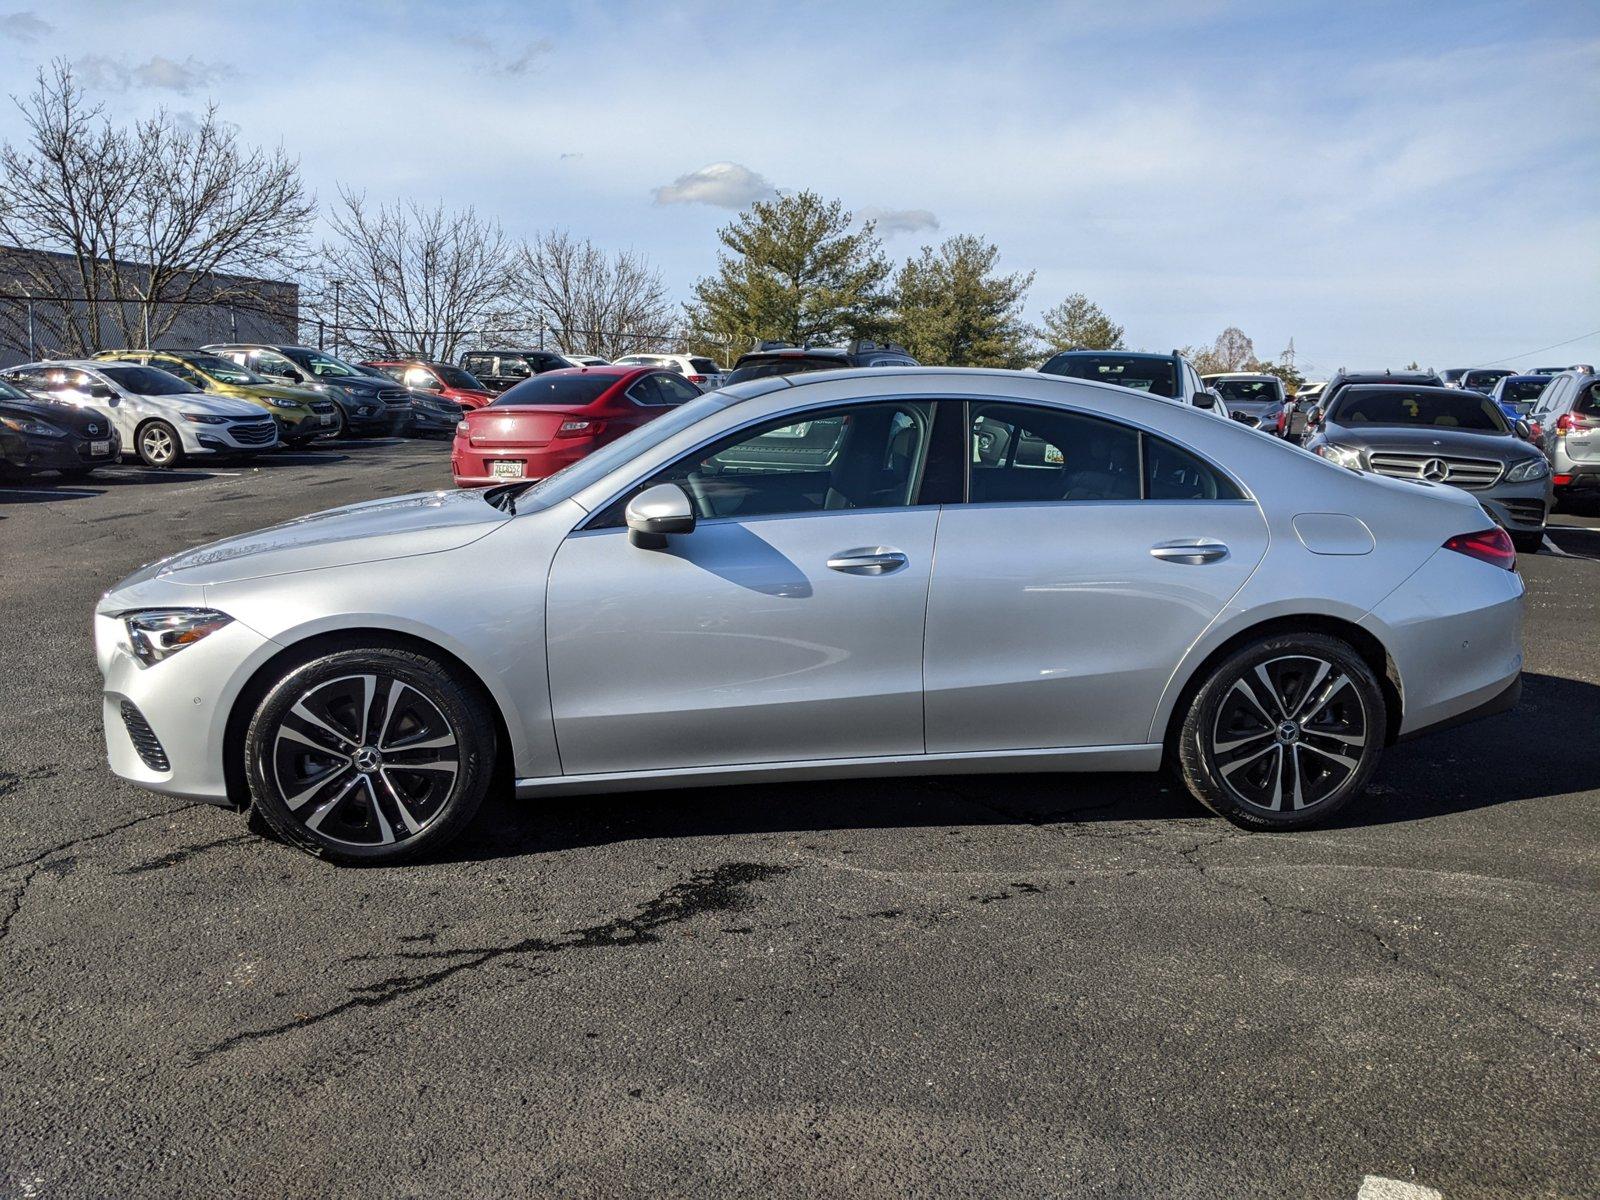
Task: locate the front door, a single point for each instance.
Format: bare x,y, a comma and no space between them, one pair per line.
788,625
1090,557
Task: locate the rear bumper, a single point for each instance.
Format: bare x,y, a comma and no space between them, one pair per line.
1453,631
1504,700
471,465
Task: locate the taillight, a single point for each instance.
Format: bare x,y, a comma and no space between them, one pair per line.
577,428
1492,546
697,379
1535,434
463,429
1569,422
1283,418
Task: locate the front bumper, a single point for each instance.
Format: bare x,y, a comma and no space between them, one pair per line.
1522,507
248,438
60,454
166,724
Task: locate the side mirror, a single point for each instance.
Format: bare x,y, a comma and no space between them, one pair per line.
1206,399
656,512
99,391
1314,418
290,374
1523,432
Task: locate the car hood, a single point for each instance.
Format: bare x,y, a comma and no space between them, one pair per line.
85,422
424,523
1433,440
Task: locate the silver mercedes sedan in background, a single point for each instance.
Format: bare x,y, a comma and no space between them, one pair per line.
867,572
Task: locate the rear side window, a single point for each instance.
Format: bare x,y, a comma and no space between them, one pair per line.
662,389
704,366
478,364
1027,454
1154,375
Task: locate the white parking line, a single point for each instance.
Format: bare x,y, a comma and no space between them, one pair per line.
1376,1187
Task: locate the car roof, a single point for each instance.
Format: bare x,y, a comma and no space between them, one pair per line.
1261,375
1119,353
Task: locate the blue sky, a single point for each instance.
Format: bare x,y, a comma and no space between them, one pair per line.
1380,182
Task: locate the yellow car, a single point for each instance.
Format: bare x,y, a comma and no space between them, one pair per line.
301,414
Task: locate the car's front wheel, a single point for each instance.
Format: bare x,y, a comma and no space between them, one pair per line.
1284,732
370,755
158,445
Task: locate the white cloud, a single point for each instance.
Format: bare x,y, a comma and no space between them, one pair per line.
723,184
891,221
24,26
159,73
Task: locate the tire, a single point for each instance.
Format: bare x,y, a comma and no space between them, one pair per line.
1292,756
158,445
340,427
1528,543
328,787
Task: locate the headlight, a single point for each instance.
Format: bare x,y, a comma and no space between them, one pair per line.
159,633
203,419
1534,468
1343,456
29,425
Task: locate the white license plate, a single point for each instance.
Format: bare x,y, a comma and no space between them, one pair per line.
506,470
325,419
99,448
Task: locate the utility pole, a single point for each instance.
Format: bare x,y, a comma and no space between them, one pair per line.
337,284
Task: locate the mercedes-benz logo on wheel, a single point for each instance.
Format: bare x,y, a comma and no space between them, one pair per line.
1435,470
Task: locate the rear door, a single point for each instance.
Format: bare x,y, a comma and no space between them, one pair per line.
1087,560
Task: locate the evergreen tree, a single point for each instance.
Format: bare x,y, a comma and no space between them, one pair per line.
1078,323
953,308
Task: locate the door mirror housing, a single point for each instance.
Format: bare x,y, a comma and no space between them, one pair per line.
99,391
657,512
1206,399
1523,432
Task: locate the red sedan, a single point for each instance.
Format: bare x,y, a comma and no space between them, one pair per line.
440,378
551,420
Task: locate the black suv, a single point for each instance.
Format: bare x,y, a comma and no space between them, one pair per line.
785,358
1343,379
367,404
498,370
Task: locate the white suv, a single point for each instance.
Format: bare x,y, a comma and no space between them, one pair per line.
160,417
702,372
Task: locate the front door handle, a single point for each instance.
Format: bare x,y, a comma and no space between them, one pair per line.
1192,551
867,560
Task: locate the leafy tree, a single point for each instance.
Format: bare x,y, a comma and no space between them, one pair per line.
1078,323
794,269
953,308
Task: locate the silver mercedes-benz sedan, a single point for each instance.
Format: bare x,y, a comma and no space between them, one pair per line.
867,572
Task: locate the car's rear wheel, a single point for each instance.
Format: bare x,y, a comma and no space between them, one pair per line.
158,445
1284,732
370,755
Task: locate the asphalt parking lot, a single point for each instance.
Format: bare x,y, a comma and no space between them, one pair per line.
1033,986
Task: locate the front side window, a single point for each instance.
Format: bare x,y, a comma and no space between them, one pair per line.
271,363
514,367
479,364
860,457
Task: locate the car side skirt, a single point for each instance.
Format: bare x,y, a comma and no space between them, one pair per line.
984,762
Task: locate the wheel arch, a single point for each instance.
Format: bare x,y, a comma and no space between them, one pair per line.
1363,641
269,671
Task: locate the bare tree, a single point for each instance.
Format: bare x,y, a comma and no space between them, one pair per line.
143,220
593,302
412,280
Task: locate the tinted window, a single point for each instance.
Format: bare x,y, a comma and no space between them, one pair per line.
556,389
762,368
1404,406
455,377
1588,399
272,363
1154,375
11,393
1483,381
1515,391
704,366
513,367
479,364
146,381
325,367
866,456
660,389
223,369
1172,473
1251,391
1020,453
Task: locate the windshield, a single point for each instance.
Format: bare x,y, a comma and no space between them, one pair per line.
224,370
324,367
1483,381
147,381
1442,410
455,377
1260,391
781,364
592,468
556,388
1158,376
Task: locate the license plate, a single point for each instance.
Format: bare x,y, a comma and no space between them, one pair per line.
325,419
99,448
506,470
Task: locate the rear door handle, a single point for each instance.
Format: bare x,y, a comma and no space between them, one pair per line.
1192,551
867,560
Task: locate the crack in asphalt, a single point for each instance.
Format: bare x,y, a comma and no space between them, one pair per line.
721,889
40,862
1385,948
184,853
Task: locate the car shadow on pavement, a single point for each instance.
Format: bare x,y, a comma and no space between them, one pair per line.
40,491
1458,770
